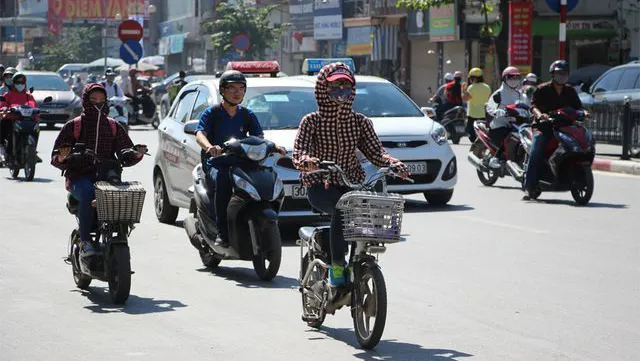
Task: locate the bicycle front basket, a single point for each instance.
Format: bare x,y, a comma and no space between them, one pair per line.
120,202
371,217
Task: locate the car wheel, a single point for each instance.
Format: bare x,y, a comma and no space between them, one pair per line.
165,211
438,198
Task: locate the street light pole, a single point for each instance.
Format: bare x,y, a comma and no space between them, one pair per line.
104,32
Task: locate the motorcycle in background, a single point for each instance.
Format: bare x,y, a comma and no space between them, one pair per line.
24,139
145,111
569,154
483,149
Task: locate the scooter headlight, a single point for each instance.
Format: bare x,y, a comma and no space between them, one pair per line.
255,152
241,183
439,134
278,187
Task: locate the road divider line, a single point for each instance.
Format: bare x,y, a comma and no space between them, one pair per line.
503,225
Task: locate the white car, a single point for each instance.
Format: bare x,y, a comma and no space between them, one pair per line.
279,104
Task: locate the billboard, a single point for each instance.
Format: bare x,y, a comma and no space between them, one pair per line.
94,9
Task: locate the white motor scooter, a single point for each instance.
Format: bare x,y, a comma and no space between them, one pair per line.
119,111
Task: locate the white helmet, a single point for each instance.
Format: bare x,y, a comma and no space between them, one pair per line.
448,77
531,77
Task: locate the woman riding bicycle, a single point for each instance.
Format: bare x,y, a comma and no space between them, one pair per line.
334,133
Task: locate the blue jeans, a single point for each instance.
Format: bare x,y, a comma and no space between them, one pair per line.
535,159
82,189
325,200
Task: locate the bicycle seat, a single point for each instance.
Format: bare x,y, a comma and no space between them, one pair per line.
72,204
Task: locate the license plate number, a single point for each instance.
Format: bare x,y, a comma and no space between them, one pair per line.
417,167
297,191
460,128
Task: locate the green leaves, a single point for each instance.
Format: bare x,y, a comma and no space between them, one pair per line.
422,4
252,21
76,45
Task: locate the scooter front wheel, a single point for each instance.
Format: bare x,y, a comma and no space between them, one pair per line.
119,276
370,302
81,280
267,262
582,186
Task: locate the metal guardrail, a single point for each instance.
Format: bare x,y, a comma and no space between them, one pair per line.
617,124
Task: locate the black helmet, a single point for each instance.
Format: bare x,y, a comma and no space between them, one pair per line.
559,65
231,76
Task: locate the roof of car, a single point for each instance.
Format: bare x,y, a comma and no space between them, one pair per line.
36,72
359,78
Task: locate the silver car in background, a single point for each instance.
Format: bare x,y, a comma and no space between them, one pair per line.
65,105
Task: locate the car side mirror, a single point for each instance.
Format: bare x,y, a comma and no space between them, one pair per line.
31,90
428,111
190,127
48,99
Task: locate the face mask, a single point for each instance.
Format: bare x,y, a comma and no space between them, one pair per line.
20,87
8,81
513,83
99,106
560,79
340,95
457,80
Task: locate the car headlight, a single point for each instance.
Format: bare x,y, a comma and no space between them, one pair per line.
438,133
255,152
277,188
246,186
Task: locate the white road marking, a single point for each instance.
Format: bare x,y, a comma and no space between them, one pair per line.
503,225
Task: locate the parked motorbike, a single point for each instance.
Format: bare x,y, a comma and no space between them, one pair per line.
119,111
570,153
24,139
252,213
145,112
370,221
119,206
483,149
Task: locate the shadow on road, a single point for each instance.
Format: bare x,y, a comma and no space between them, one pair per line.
413,206
247,278
390,349
35,180
135,305
571,203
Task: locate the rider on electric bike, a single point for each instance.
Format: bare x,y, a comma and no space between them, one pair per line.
507,94
334,133
548,97
106,139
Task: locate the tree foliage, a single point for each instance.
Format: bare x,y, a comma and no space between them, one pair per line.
251,20
74,45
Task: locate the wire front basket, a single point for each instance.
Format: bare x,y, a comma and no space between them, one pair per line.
371,216
120,202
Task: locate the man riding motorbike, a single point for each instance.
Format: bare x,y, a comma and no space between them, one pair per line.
549,96
18,95
7,77
106,139
334,133
507,94
176,85
529,85
476,93
217,125
112,89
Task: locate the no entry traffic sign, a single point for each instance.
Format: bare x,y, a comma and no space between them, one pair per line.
130,30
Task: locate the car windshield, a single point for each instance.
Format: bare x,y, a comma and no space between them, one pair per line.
46,82
284,107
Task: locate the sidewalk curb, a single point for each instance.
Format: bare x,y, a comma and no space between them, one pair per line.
616,166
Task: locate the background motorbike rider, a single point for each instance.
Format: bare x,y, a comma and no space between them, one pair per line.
176,85
452,93
507,94
18,95
112,89
476,93
549,96
333,133
438,98
96,133
7,77
529,85
218,124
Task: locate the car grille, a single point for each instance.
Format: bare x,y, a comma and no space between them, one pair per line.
433,169
54,105
54,117
407,144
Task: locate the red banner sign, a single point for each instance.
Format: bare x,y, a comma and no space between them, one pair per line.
520,42
94,9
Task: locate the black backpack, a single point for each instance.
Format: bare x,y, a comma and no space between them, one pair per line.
216,115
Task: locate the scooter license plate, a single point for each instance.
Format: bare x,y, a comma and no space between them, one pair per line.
296,191
460,128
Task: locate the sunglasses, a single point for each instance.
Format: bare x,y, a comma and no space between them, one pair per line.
514,76
340,85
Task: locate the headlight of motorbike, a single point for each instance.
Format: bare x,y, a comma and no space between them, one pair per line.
247,187
255,152
439,134
277,188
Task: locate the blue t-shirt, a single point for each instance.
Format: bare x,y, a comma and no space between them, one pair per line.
221,130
